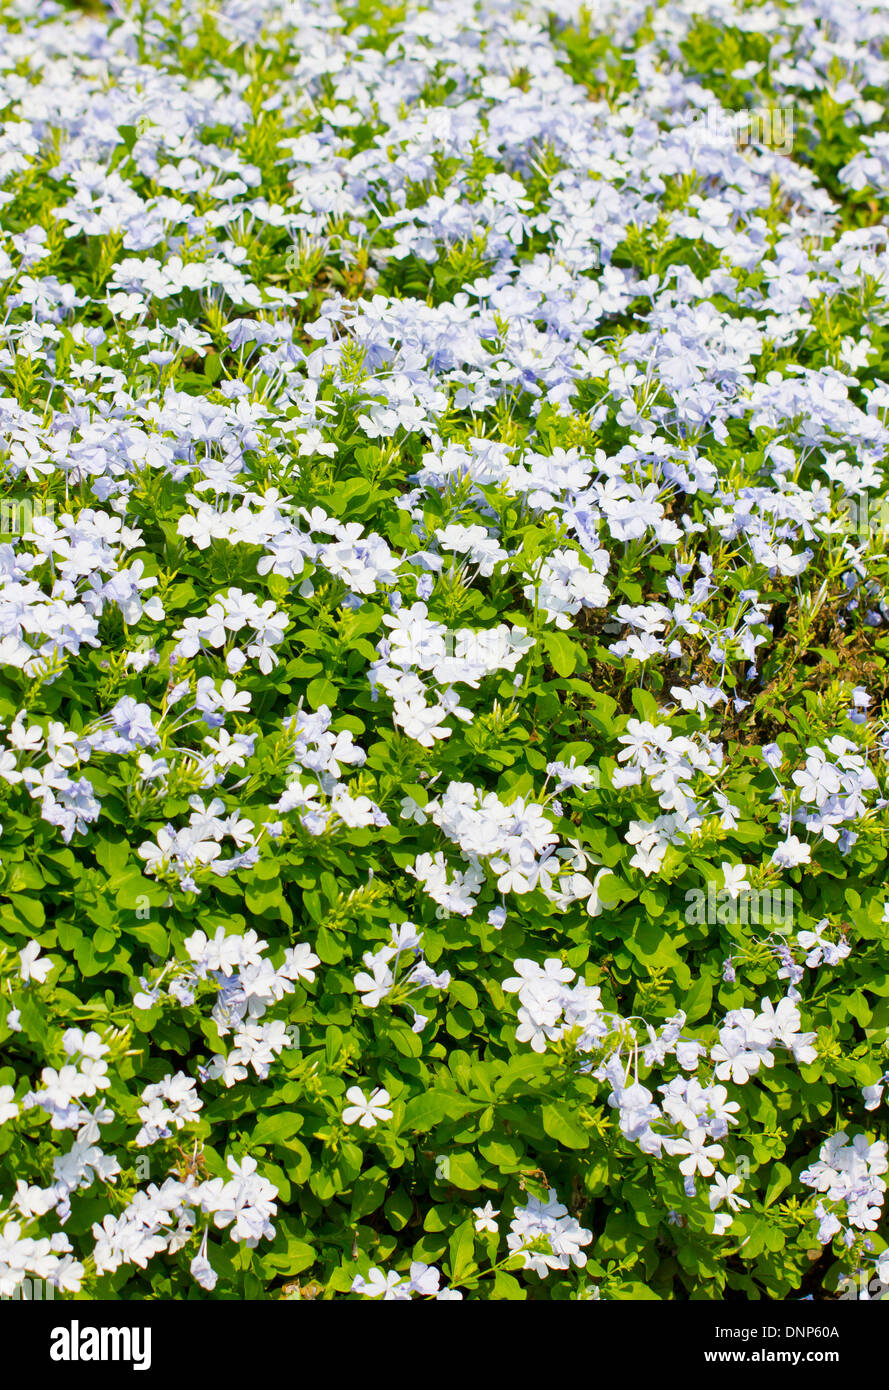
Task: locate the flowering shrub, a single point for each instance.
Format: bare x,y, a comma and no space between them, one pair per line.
443,633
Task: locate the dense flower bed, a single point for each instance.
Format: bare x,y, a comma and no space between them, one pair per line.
443,635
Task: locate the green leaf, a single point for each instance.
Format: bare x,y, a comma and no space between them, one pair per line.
461,1251
426,1111
561,1124
368,1192
463,1171
276,1128
322,692
781,1178
697,1001
562,652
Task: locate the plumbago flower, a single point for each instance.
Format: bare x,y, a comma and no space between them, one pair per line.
443,592
366,1110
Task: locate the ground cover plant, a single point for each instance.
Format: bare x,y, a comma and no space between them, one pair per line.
443,637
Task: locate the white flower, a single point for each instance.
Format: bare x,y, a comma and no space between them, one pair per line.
33,966
485,1218
699,1155
389,1286
203,1272
8,1107
735,878
724,1189
365,1111
791,853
